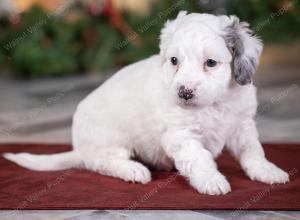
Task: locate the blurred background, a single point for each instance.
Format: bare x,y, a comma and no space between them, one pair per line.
53,53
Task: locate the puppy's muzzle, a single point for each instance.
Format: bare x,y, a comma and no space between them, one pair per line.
185,93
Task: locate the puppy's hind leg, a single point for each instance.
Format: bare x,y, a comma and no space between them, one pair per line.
116,162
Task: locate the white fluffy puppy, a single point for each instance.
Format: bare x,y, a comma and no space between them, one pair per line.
179,108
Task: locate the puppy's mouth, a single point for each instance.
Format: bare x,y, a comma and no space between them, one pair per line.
187,103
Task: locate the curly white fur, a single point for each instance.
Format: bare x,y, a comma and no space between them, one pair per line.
137,113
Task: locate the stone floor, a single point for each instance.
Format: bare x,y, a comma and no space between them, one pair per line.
41,111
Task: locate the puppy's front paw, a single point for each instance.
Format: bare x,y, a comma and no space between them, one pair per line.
136,172
211,184
266,172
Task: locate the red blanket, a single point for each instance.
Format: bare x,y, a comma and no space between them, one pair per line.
80,189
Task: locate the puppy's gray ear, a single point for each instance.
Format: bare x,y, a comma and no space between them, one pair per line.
246,48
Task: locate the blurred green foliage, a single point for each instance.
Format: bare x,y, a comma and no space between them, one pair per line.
44,45
275,21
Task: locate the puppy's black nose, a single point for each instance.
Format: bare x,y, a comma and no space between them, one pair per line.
184,93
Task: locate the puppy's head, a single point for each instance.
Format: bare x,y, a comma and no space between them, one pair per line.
203,53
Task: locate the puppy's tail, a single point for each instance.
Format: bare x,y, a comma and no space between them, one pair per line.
44,162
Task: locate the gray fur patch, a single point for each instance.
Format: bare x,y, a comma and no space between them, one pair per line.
243,66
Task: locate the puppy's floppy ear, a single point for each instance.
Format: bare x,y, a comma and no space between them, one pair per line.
168,30
246,48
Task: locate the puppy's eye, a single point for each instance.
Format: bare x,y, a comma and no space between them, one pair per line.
174,61
210,63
